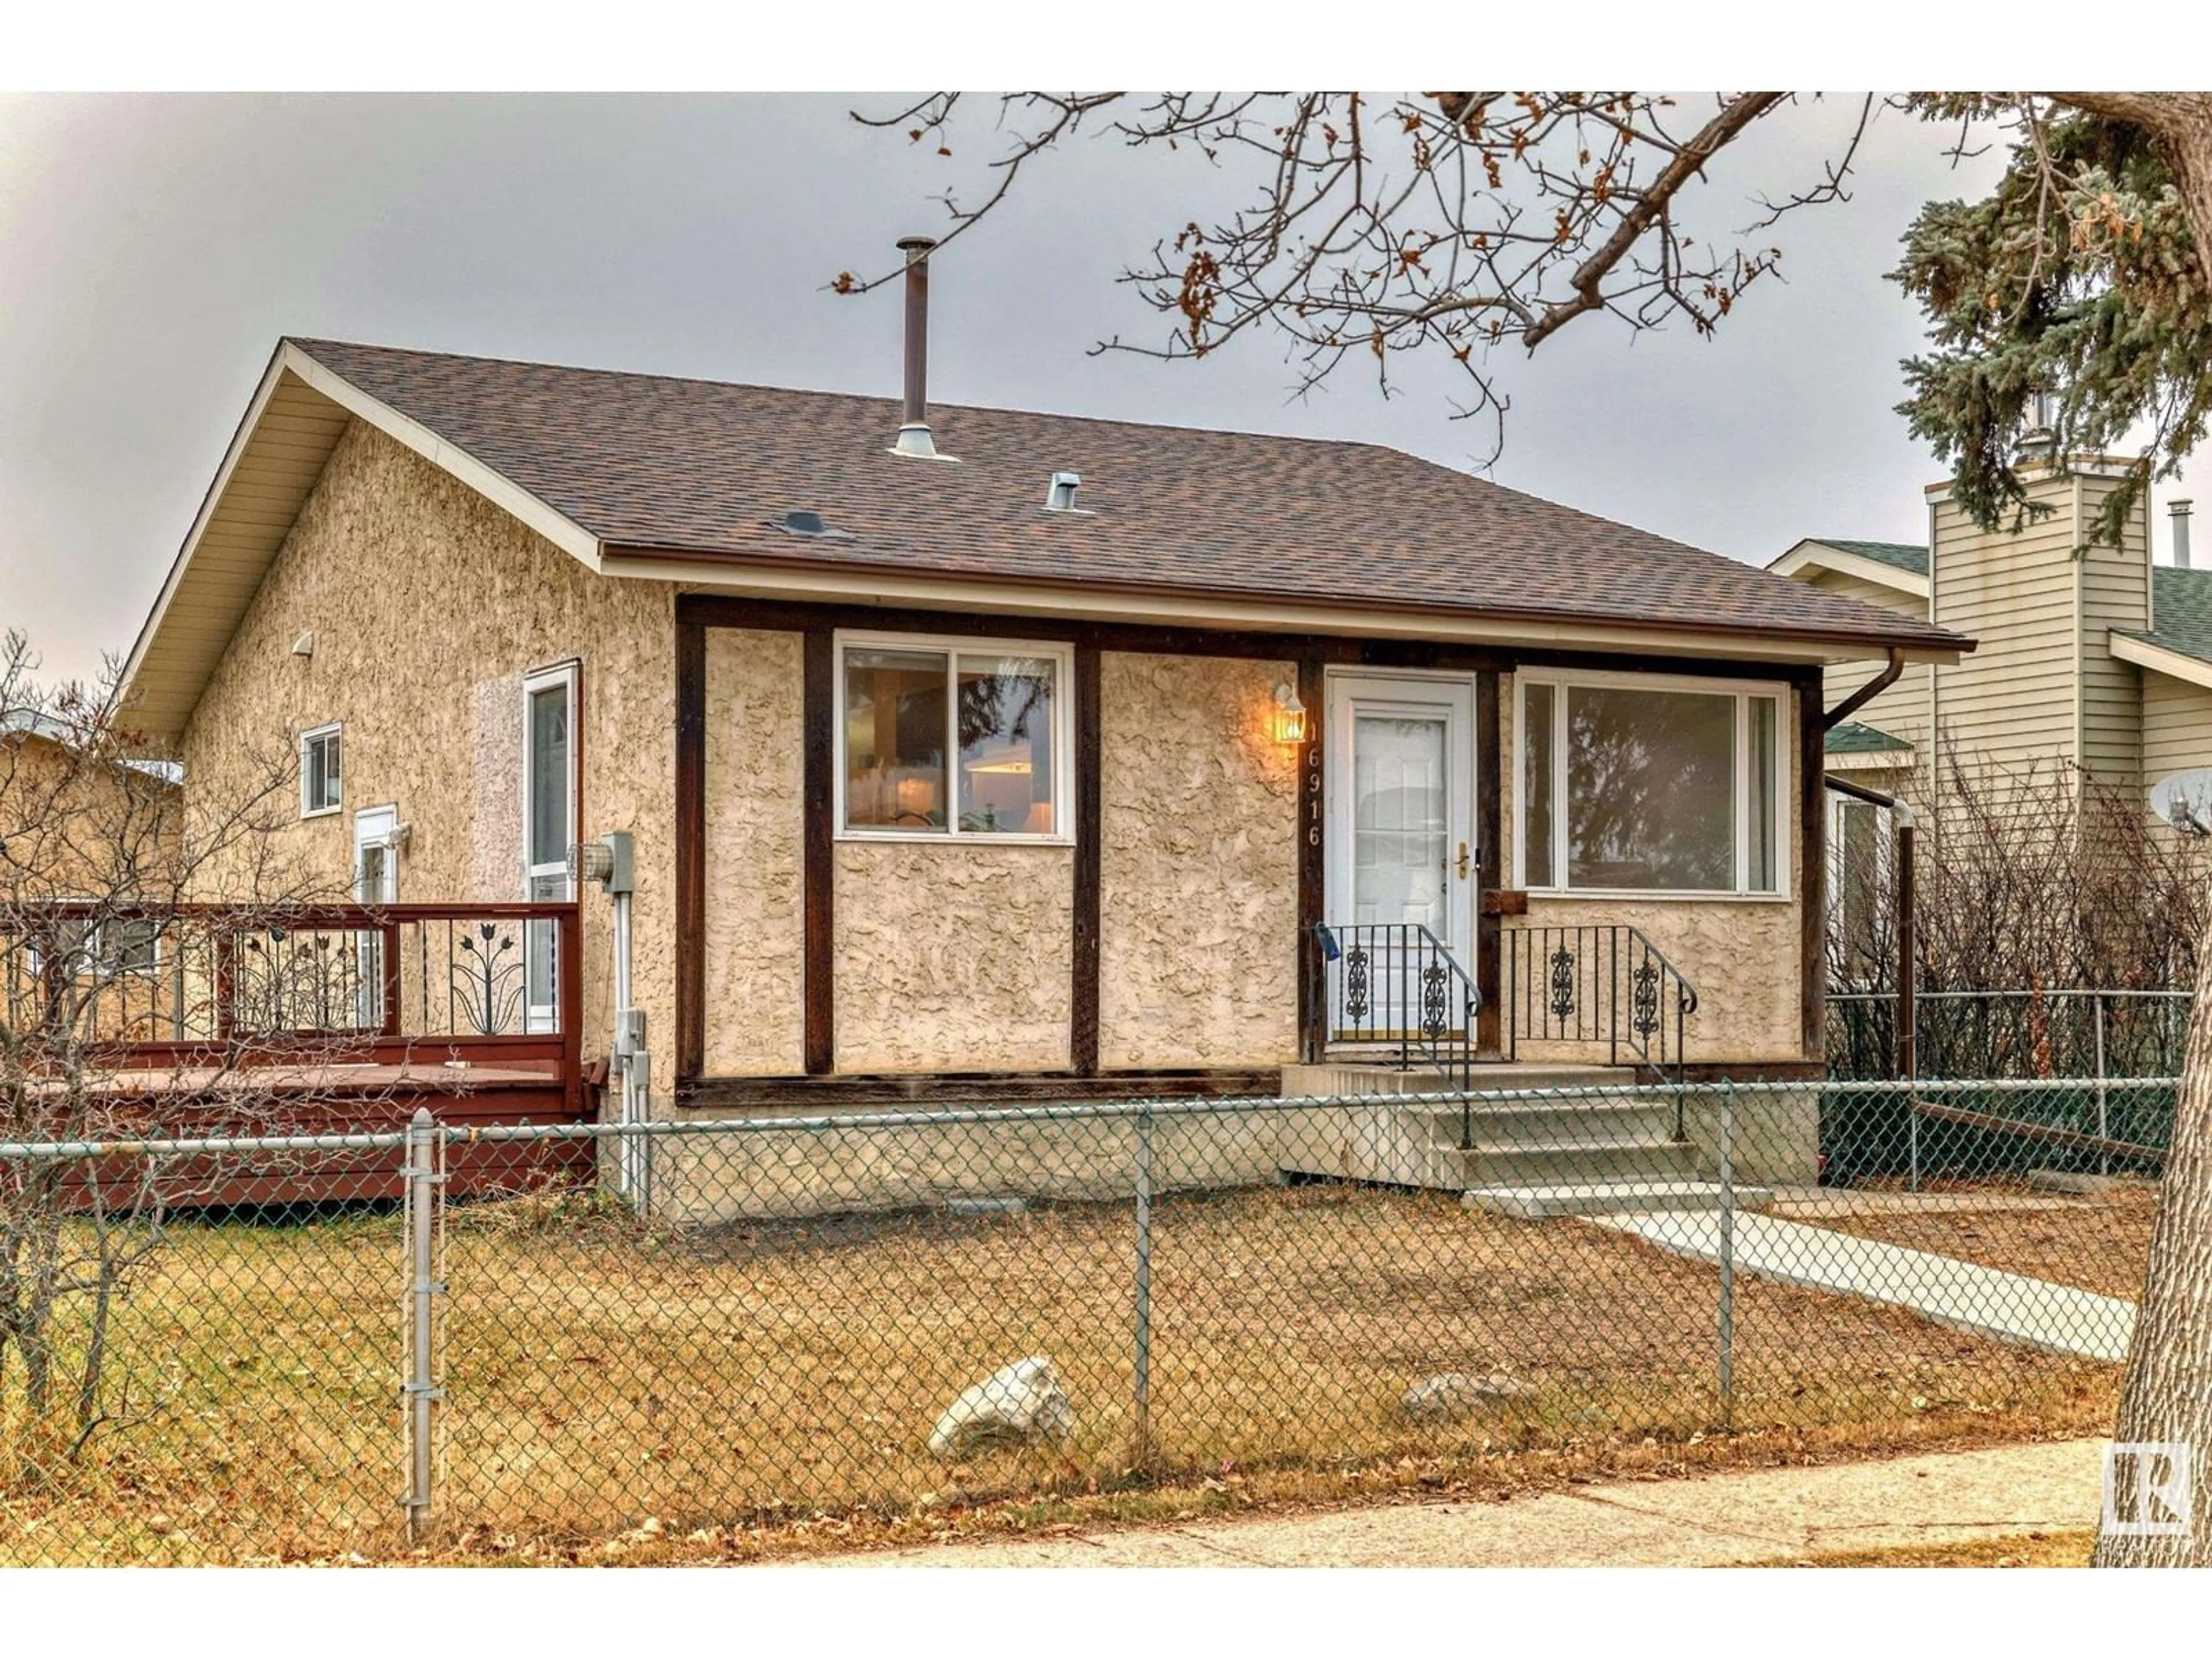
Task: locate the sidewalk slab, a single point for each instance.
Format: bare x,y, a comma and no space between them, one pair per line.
1962,1295
1760,1517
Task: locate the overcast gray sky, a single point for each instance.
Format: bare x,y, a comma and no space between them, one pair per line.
152,249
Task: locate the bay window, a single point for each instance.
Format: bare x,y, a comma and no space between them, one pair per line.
952,738
1630,784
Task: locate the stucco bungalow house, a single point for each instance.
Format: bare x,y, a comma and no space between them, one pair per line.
970,751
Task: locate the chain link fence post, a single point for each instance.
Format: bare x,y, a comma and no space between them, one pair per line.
425,1201
1727,1256
2103,1121
1141,1439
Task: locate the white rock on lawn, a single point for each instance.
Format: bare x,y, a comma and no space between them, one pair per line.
1456,1394
1021,1403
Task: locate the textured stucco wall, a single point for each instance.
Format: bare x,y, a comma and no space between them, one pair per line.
428,606
1744,956
754,948
1198,865
953,958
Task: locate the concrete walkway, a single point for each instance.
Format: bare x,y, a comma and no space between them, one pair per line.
1762,1515
1959,1294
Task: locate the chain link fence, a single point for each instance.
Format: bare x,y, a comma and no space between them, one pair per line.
2036,1033
794,1317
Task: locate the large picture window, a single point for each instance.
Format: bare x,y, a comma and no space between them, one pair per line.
1639,785
955,737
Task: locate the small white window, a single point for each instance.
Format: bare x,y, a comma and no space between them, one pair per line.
131,945
953,739
1650,784
88,947
322,771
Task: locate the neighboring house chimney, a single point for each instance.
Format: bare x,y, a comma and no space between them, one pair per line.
914,438
2039,442
2180,511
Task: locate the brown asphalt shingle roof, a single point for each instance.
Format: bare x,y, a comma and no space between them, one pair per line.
707,469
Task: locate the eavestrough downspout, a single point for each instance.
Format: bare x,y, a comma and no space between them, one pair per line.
1866,694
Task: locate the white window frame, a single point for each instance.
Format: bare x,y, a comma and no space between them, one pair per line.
1062,657
563,675
313,735
1745,692
540,1016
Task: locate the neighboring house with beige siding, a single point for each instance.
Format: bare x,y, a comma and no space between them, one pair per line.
2086,655
969,751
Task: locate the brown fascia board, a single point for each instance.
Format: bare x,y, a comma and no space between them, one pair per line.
1922,644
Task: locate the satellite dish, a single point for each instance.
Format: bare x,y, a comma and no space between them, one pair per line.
2185,800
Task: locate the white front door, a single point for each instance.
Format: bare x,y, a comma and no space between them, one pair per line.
549,828
1400,834
375,881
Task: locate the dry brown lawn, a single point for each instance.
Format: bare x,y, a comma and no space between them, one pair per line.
764,1388
2100,1244
2033,1549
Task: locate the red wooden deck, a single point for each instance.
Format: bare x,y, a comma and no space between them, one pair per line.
474,1064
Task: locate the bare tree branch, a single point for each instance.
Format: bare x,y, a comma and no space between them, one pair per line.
1453,221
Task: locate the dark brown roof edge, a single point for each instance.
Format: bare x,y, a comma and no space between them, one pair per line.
1925,637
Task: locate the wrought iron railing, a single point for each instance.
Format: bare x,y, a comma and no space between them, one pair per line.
1397,984
164,979
1602,986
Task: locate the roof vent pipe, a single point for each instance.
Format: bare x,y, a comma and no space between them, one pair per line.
1059,493
2040,442
2179,510
914,437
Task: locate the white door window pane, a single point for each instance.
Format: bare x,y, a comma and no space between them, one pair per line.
550,828
373,878
1650,789
549,775
1005,714
541,941
895,735
1401,820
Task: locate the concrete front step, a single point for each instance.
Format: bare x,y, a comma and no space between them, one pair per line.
1541,1203
1516,1122
1572,1160
1517,1134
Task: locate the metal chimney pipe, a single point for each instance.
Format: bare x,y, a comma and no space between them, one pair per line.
2179,511
2039,442
914,438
